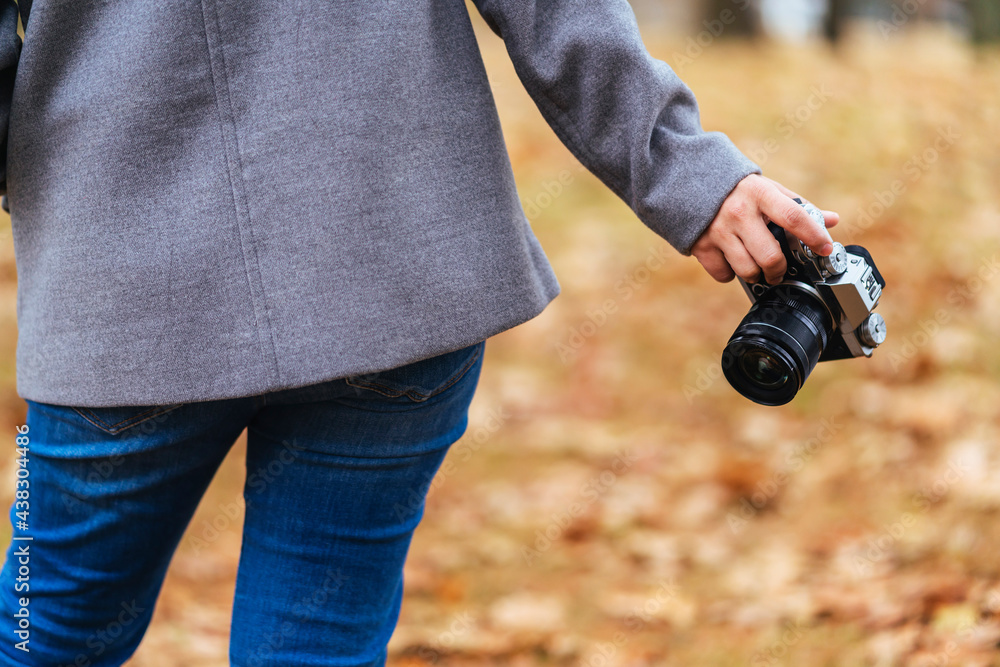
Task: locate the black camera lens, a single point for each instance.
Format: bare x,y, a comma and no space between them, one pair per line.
777,345
763,368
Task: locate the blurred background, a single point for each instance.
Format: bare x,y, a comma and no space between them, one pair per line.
614,501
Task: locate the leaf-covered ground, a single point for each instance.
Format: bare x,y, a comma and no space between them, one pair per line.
614,502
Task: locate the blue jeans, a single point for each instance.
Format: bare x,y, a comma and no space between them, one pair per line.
337,473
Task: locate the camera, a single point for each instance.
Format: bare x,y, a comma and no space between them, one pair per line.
820,311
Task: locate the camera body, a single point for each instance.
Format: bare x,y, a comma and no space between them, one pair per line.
820,311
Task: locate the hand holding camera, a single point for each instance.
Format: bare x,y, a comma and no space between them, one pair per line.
737,243
814,303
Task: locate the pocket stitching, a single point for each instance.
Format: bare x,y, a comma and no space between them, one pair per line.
120,426
417,396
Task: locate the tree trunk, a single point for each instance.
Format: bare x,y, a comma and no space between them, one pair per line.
985,19
836,16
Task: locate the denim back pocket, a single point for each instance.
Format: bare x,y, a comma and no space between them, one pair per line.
422,379
116,420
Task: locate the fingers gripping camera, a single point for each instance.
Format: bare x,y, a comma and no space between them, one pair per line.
822,310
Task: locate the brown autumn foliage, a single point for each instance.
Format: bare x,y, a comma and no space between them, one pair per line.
855,526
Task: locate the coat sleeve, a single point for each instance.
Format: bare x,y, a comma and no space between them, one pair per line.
625,115
10,51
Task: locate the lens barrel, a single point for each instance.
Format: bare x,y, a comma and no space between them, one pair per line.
776,346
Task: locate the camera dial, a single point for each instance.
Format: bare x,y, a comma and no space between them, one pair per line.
872,332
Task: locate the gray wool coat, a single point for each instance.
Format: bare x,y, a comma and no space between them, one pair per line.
217,199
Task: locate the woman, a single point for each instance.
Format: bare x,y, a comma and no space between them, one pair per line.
299,220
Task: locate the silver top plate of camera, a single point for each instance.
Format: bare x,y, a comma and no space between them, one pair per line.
849,289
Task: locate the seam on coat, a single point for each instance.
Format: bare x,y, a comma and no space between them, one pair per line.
241,203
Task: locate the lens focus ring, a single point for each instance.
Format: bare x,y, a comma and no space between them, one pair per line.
776,346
